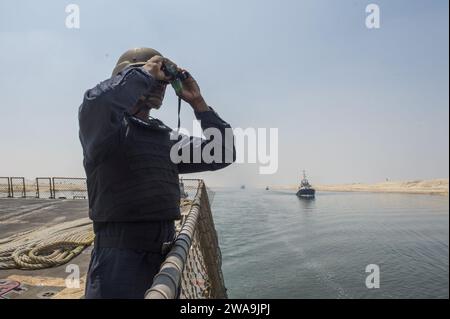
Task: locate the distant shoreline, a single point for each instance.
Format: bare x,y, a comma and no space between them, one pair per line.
427,187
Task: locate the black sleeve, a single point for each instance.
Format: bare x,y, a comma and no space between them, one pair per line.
218,146
101,114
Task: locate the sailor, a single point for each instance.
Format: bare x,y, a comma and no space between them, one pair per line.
132,181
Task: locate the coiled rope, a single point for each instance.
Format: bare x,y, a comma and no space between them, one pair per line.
47,246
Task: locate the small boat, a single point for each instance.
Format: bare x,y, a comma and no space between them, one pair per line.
242,186
306,190
267,188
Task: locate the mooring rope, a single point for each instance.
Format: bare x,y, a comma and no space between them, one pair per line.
47,246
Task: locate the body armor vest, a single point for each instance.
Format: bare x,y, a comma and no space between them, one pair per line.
137,181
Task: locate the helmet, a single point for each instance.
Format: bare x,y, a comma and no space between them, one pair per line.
134,57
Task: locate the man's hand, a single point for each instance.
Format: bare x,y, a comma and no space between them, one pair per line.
191,94
154,65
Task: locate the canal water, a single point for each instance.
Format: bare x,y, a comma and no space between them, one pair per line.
275,245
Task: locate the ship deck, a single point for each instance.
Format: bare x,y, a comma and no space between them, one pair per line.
18,215
22,214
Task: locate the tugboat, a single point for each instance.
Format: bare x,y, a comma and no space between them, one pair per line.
305,190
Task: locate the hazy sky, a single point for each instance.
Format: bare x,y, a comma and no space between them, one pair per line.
351,104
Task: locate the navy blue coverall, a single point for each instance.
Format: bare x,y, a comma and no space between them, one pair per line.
127,271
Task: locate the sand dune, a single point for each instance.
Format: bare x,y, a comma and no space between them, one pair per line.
435,186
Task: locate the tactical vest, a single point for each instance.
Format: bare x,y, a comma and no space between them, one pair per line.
137,181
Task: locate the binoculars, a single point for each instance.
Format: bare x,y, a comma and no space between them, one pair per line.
176,77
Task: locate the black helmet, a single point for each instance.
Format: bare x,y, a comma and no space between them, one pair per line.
135,57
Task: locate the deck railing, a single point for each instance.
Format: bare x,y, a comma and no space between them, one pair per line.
43,187
193,268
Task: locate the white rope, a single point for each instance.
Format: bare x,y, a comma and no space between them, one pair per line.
46,246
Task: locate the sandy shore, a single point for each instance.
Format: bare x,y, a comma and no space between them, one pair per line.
435,187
